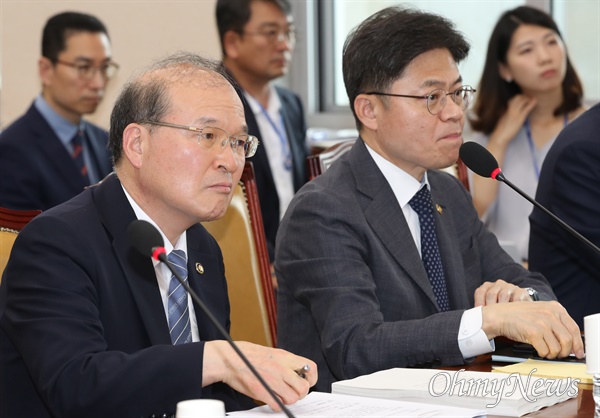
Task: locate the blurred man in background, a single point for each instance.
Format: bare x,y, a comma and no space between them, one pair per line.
51,154
257,39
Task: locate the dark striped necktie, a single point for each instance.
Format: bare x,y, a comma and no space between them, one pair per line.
177,305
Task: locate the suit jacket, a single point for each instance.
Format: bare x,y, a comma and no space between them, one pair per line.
570,188
354,295
36,171
83,331
295,126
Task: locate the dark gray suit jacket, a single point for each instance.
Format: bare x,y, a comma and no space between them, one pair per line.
353,293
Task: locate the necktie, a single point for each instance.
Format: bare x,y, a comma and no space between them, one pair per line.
177,306
77,146
430,252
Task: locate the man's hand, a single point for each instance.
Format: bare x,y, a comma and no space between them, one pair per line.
499,292
545,325
277,367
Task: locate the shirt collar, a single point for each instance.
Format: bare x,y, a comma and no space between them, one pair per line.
403,184
274,103
181,243
64,129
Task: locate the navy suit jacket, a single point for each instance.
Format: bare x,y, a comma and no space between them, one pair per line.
83,331
295,125
36,170
353,293
569,187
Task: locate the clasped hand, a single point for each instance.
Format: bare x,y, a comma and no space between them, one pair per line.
545,325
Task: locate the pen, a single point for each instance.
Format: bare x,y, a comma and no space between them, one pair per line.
302,371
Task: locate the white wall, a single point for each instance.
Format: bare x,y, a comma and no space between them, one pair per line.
579,22
143,30
139,30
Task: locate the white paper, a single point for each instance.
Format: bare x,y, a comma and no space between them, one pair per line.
497,393
326,405
591,325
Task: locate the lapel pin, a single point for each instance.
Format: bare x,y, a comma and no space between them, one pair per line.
439,208
199,268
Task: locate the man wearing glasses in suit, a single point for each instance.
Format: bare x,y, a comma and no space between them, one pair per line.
51,153
382,260
90,327
257,40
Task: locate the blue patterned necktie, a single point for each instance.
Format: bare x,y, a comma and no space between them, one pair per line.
178,314
430,252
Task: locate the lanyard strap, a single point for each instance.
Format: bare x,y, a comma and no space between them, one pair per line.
536,167
280,131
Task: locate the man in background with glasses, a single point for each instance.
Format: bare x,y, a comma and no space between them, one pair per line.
257,40
382,261
90,327
51,153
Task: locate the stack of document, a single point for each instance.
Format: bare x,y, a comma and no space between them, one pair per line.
498,394
550,369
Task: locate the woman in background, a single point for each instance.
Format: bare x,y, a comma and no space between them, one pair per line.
528,92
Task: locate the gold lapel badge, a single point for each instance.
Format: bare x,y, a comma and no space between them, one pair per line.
439,208
199,268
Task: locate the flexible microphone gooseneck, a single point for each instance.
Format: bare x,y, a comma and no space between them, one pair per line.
483,163
146,239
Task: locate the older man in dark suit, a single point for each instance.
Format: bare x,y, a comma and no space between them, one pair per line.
382,261
89,327
50,154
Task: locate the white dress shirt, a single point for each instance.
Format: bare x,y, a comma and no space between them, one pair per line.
163,274
472,341
275,139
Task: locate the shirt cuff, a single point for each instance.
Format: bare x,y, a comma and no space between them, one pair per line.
472,341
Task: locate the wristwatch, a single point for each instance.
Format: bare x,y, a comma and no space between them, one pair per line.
533,294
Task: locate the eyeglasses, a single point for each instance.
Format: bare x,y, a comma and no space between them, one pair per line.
243,145
274,36
88,71
436,100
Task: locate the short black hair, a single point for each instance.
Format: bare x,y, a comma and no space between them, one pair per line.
377,52
60,26
232,15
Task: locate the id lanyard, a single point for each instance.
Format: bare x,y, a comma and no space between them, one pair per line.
536,166
280,131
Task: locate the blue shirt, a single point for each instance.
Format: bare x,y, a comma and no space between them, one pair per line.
65,131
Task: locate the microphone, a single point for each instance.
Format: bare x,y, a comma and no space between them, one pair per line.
146,239
483,163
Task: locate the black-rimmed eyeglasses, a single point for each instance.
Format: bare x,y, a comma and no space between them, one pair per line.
87,71
243,145
436,100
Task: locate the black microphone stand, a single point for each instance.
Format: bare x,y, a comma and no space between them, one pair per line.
483,163
163,257
502,178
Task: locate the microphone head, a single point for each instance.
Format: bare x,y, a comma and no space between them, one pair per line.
479,159
144,237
